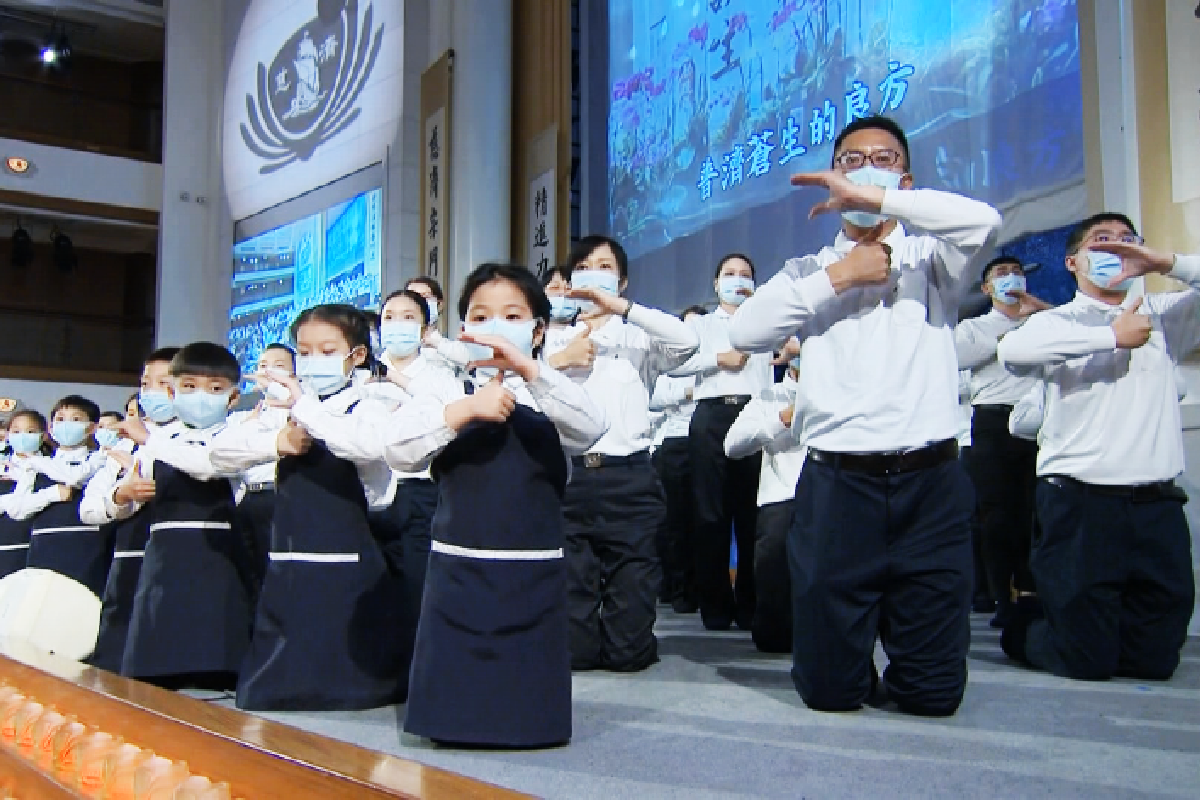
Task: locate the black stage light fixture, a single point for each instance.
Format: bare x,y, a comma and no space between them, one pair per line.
63,251
22,247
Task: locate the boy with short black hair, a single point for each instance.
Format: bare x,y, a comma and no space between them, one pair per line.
191,615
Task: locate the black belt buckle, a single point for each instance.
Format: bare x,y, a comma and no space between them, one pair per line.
593,460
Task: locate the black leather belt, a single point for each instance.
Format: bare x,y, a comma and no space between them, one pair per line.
260,487
597,460
889,463
727,400
1141,493
994,408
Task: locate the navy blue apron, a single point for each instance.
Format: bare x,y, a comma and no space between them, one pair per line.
326,630
14,533
492,664
191,613
116,610
60,542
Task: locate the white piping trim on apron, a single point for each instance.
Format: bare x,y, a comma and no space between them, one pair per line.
14,547
129,553
71,529
191,526
317,558
495,555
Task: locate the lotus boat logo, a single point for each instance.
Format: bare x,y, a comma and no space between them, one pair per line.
308,94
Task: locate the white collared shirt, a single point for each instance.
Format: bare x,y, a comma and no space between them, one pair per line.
975,342
1111,415
672,407
416,433
758,427
24,501
73,466
711,380
629,358
97,506
880,368
353,434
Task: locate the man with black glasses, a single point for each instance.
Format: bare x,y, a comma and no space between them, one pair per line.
881,540
1113,563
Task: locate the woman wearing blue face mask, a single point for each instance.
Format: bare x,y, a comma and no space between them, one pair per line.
492,665
444,352
615,506
330,608
24,491
403,527
60,540
725,489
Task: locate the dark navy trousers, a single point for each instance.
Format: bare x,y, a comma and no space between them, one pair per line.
888,556
1115,579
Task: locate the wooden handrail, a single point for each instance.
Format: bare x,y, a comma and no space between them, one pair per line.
256,757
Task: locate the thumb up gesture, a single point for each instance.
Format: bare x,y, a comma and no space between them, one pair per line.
1131,328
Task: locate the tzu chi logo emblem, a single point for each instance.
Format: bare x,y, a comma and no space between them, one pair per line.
308,94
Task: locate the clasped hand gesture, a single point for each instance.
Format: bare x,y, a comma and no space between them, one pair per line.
869,263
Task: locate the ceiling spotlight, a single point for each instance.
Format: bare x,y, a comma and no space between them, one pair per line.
57,48
63,251
22,247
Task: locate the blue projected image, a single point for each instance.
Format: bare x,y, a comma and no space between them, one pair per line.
334,256
714,104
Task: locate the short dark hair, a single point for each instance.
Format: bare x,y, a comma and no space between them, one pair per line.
208,360
281,346
701,310
29,413
721,264
79,403
878,123
435,288
1081,231
413,296
561,270
166,354
525,281
590,244
997,261
117,415
352,322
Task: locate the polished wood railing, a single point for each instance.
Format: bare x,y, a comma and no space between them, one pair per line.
256,757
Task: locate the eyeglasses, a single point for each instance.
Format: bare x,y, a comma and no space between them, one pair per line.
853,159
1128,238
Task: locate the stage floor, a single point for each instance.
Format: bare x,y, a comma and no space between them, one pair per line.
717,719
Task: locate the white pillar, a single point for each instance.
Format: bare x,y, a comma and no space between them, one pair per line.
480,33
193,273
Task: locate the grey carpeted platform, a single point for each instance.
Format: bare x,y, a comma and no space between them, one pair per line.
717,719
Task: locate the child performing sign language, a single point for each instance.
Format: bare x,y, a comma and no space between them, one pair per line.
492,663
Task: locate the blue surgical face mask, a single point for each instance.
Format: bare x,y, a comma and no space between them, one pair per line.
1004,285
1103,268
870,176
520,333
68,433
795,363
25,444
157,405
106,437
201,409
603,279
431,303
400,338
563,308
729,289
322,375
